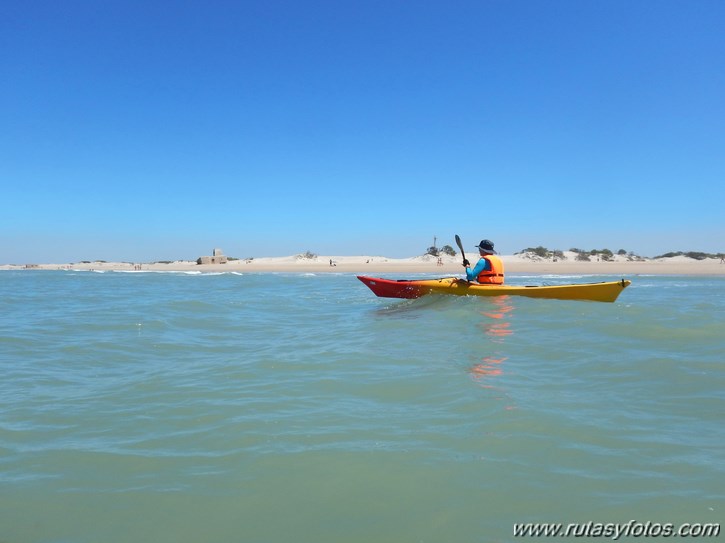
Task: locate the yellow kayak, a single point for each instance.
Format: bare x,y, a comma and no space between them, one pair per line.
596,292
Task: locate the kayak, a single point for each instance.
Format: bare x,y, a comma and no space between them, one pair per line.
596,292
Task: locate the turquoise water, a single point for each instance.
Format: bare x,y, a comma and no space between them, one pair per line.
173,407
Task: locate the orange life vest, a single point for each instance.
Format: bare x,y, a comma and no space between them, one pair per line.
494,276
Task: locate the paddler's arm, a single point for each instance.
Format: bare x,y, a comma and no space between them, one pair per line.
472,274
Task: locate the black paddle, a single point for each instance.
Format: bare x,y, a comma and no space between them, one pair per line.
463,253
460,246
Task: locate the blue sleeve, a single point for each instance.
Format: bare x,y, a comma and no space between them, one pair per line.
481,265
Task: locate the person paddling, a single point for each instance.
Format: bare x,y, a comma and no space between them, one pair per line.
489,269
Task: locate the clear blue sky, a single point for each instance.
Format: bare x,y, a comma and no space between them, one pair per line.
158,130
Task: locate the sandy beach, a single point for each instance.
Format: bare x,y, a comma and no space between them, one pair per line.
515,264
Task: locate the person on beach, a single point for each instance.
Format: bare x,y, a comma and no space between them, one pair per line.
489,269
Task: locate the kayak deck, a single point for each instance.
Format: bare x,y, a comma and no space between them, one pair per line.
606,291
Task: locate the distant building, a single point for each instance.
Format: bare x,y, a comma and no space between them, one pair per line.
217,258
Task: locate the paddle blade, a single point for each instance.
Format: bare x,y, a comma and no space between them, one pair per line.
460,246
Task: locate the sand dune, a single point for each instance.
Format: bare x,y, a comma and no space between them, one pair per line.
520,263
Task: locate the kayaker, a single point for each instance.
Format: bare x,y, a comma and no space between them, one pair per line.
489,269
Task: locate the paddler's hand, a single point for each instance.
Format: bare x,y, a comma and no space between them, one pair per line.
466,263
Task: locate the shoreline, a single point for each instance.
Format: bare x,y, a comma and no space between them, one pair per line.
366,265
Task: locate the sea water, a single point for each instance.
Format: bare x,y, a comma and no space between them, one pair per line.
187,407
